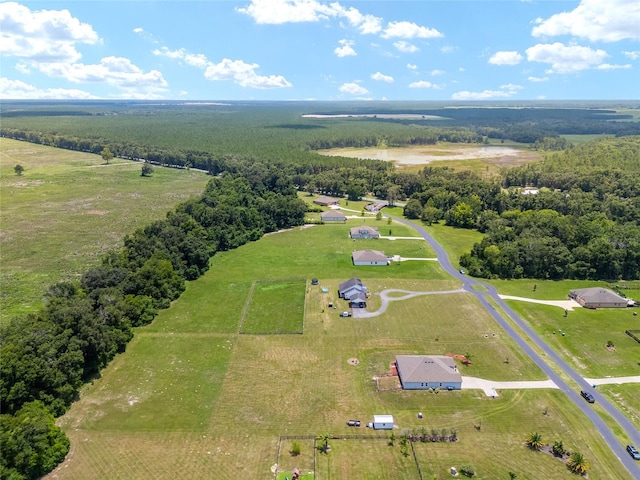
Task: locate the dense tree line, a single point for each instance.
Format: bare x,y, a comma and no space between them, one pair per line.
47,356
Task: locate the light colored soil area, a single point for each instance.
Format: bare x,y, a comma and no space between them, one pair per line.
424,155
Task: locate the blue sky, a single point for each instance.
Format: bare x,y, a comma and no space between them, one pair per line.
316,50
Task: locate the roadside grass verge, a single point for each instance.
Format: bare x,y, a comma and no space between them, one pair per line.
67,209
586,334
275,306
455,241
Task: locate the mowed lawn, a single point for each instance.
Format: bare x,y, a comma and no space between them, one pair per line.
69,208
193,399
275,307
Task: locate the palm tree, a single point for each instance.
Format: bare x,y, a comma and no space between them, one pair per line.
534,440
558,448
578,464
467,358
325,442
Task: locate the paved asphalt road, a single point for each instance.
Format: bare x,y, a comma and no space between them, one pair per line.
572,392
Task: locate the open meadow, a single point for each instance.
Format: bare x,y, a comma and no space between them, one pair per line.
69,208
192,399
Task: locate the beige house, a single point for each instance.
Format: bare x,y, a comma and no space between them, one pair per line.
421,372
333,216
369,257
364,232
326,201
598,297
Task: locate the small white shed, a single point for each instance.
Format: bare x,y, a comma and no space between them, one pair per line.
383,422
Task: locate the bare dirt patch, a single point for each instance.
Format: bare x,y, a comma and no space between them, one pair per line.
424,155
97,212
353,361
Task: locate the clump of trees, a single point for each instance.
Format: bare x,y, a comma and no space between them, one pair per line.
32,444
575,461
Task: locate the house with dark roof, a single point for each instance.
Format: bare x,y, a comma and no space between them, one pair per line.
358,300
352,288
326,201
421,372
377,206
598,297
365,231
369,257
333,216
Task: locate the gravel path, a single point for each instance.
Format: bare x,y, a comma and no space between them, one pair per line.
384,295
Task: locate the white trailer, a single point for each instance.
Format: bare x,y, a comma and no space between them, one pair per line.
382,422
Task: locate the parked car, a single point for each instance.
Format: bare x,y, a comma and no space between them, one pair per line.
314,281
345,314
633,451
462,272
353,423
587,396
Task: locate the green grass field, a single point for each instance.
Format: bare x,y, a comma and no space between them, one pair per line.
67,209
275,307
193,399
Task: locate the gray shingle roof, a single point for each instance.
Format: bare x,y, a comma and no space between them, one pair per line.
598,295
427,368
369,256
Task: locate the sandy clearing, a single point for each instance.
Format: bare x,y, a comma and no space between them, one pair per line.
423,156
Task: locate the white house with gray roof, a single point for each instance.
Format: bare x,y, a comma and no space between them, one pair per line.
352,288
369,257
421,372
365,231
598,297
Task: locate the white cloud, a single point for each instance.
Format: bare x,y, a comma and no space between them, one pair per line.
484,95
138,30
15,89
596,20
505,58
195,60
608,66
424,84
437,72
409,30
381,77
346,49
538,79
353,88
405,47
115,71
634,55
448,49
278,12
42,35
366,24
505,91
510,87
565,58
244,75
287,11
411,66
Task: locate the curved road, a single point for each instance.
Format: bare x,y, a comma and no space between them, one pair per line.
491,293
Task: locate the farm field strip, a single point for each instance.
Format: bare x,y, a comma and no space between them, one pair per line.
61,215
